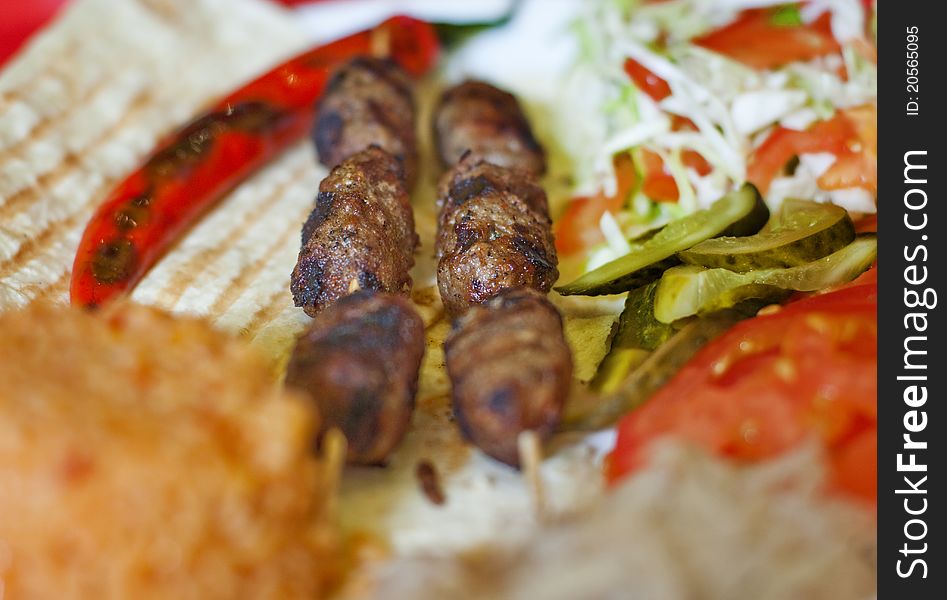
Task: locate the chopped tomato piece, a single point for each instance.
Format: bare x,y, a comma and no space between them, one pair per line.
757,40
851,135
867,224
850,170
857,164
647,81
577,229
658,184
772,383
679,123
695,161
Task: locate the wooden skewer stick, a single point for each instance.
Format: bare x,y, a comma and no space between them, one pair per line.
531,458
334,447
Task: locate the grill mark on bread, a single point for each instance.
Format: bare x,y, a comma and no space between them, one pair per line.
24,198
197,264
274,306
249,272
48,123
51,70
44,291
34,245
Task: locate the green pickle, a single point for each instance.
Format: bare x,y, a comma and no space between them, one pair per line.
742,212
802,231
689,290
625,389
637,333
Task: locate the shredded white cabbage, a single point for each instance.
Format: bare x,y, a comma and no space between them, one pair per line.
733,106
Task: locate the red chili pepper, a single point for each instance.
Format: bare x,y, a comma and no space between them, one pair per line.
195,167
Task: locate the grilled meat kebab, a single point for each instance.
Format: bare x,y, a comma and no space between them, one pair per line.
511,370
368,101
479,118
360,358
494,232
360,234
507,357
359,362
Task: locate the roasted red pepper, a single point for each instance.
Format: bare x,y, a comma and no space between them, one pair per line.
195,167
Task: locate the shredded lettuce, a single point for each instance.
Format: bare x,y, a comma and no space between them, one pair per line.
733,107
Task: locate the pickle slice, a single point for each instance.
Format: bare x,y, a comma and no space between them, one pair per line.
803,231
629,389
739,213
688,290
636,334
637,327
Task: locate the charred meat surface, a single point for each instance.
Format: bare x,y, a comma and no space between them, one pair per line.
367,101
360,234
494,233
479,118
511,370
358,362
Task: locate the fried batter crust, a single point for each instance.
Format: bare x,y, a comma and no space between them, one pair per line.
147,456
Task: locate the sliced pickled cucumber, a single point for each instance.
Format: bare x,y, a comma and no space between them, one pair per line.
629,389
636,334
615,367
637,327
688,290
801,232
739,213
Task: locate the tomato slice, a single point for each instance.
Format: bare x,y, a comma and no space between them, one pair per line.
658,184
772,383
577,229
867,224
757,40
647,81
857,164
851,135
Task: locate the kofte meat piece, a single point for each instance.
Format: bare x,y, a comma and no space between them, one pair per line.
359,362
367,101
494,233
360,234
479,118
511,369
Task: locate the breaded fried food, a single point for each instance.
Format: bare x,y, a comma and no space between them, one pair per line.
149,456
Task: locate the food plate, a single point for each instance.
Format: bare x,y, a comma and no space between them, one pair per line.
78,112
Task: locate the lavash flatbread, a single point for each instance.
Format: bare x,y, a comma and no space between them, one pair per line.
68,133
87,100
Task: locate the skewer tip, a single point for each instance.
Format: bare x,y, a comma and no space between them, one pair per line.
531,458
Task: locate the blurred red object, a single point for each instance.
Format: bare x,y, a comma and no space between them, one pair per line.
19,19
